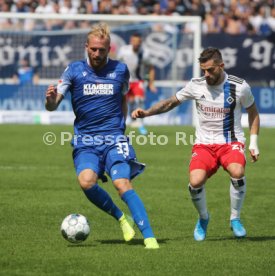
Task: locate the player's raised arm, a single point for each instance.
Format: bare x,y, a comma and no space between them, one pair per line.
53,98
254,126
160,107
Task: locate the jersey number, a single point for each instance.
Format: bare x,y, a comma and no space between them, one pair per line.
123,148
237,147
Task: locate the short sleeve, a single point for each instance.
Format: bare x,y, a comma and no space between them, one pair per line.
146,59
65,82
247,98
186,93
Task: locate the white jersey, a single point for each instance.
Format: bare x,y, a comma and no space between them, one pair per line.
134,61
219,108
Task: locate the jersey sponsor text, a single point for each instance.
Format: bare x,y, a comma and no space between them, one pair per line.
213,112
98,89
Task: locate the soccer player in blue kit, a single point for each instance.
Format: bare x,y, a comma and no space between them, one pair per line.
98,87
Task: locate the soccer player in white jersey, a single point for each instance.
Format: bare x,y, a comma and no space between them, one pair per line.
220,140
98,88
137,60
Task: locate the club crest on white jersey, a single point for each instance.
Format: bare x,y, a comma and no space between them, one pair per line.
230,100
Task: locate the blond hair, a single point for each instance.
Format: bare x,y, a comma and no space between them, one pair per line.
100,30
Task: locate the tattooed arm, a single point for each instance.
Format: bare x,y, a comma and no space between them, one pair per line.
160,107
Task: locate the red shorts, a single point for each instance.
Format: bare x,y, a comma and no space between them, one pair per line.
211,157
136,89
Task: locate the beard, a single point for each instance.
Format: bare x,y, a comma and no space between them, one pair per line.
98,62
215,80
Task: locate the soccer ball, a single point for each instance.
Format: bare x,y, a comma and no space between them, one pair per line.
75,228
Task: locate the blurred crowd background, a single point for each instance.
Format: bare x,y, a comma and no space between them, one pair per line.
234,17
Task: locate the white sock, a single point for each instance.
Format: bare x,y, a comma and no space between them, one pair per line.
198,197
237,194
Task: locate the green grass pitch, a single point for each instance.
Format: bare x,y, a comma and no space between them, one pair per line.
38,188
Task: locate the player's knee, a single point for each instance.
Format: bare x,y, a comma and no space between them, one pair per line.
122,185
197,178
120,174
236,171
87,179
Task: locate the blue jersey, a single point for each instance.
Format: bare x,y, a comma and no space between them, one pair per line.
25,75
96,96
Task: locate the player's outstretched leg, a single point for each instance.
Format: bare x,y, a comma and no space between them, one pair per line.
103,201
126,224
140,216
237,195
199,200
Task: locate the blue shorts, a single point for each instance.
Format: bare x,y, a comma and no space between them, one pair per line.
102,158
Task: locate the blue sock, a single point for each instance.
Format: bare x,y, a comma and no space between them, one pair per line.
103,201
138,212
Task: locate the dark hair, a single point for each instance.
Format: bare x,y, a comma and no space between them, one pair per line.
210,53
136,35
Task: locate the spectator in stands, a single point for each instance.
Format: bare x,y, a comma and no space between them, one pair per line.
157,9
233,24
124,7
5,24
130,7
68,8
198,8
19,6
233,17
271,19
85,7
44,7
214,20
29,24
146,5
25,74
257,17
104,7
171,8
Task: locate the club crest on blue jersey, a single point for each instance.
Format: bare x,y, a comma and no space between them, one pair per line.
111,75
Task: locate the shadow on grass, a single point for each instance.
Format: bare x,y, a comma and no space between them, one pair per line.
132,242
246,239
261,239
82,245
94,244
164,241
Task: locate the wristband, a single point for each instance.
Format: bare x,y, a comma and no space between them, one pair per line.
254,144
